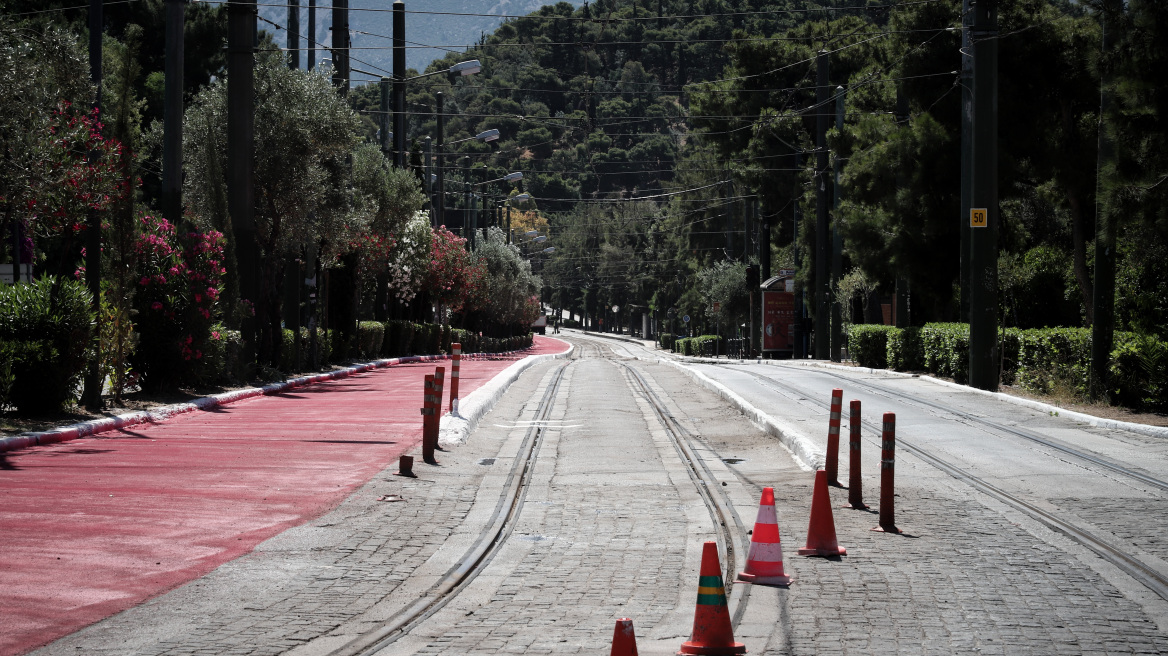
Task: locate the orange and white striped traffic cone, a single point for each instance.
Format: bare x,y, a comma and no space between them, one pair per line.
831,462
712,633
764,564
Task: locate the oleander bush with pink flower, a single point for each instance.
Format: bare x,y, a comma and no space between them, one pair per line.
180,279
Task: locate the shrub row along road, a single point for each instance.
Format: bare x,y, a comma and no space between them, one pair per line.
97,525
622,466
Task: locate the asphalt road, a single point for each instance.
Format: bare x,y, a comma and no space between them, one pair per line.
610,519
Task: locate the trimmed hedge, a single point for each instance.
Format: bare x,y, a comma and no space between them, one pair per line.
905,350
699,345
666,341
1039,359
868,344
370,334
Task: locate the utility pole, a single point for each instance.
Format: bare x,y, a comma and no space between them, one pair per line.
293,274
93,378
983,218
241,39
837,239
294,34
383,118
440,215
428,175
172,112
799,351
764,243
311,34
1106,228
822,284
900,306
341,45
399,83
966,153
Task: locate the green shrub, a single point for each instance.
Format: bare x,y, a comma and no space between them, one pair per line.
370,334
868,344
1050,358
666,341
1010,345
946,349
48,337
905,352
223,362
1139,372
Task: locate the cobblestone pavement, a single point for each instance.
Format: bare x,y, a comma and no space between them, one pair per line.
612,526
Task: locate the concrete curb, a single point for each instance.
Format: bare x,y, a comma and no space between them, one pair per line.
1052,410
453,430
806,454
804,451
160,414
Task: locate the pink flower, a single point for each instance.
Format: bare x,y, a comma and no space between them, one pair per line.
156,305
198,298
144,281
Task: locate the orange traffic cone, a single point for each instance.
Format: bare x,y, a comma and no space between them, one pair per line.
821,531
624,641
712,633
764,564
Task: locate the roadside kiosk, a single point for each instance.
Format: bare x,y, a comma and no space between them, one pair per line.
778,315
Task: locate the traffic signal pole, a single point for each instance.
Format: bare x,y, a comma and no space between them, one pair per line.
983,217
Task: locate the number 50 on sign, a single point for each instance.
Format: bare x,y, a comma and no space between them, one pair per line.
978,217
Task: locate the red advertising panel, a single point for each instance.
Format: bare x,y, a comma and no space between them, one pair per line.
778,321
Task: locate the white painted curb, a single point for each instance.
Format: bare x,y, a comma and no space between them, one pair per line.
454,429
160,414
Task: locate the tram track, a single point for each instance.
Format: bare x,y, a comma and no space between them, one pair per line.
1145,574
480,554
726,522
510,504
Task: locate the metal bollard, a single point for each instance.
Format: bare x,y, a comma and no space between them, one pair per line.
855,482
455,363
833,427
887,470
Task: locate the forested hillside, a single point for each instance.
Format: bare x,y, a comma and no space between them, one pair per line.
617,100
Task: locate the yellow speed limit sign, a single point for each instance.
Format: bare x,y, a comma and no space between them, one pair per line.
978,217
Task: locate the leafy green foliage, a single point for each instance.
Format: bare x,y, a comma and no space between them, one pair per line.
46,327
868,344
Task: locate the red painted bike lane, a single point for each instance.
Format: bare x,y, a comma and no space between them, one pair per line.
94,526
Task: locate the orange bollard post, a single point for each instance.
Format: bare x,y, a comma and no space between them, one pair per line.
439,384
624,640
887,469
833,426
427,414
855,483
455,363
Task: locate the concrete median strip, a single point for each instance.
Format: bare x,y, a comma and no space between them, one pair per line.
160,414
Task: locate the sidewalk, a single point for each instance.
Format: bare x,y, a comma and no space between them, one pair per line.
99,524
